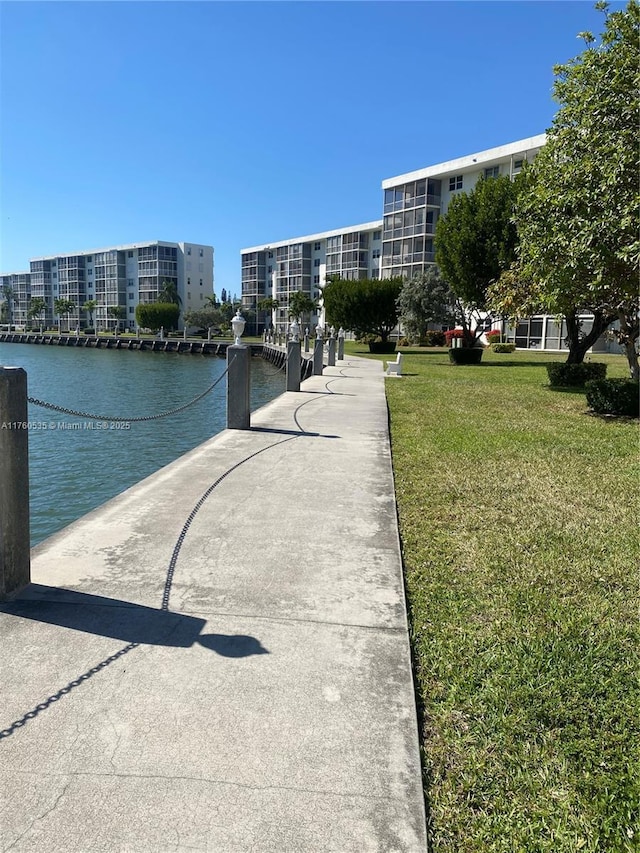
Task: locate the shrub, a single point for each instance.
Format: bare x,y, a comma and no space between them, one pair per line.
613,396
433,339
450,334
465,355
503,347
563,375
493,336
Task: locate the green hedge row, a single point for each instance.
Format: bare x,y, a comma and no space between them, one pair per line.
614,397
563,375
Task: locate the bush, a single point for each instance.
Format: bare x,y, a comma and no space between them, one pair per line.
563,375
493,336
450,334
433,339
613,397
404,342
465,355
503,347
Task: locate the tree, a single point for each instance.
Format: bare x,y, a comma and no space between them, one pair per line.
169,293
211,301
223,295
63,307
157,315
424,299
475,241
577,214
205,318
37,306
7,292
300,303
365,307
118,312
90,306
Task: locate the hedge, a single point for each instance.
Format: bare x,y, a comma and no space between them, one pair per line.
563,375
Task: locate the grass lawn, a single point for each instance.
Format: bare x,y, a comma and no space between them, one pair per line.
519,523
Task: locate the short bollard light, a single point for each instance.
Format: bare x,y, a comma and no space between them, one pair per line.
331,346
237,324
319,332
294,331
332,332
341,336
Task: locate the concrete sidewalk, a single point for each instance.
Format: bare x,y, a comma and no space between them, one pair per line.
218,659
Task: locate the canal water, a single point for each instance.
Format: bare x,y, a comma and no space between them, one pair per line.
76,464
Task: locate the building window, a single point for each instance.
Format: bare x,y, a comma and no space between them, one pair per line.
270,254
316,279
129,282
188,251
200,282
270,268
131,296
375,253
188,281
201,253
376,235
316,263
130,309
316,247
129,254
492,172
455,183
201,297
89,258
188,294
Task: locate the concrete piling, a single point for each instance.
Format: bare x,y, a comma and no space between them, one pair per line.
15,554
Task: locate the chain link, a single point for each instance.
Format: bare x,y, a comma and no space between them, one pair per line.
117,419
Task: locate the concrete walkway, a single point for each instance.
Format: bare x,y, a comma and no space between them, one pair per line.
217,659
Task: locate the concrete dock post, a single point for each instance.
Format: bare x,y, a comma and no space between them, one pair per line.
293,366
238,387
15,554
332,352
341,344
318,356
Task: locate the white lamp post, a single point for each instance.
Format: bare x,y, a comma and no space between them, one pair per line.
238,324
294,331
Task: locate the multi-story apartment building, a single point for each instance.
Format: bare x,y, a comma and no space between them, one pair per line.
414,201
303,264
17,287
116,278
411,207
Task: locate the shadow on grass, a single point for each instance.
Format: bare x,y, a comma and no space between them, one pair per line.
566,389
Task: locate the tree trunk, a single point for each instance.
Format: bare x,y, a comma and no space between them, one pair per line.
628,337
578,346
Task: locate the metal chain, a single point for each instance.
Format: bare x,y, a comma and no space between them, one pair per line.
117,419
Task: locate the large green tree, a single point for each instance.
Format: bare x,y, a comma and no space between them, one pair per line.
208,317
365,307
7,305
157,315
169,293
37,307
577,214
475,241
424,299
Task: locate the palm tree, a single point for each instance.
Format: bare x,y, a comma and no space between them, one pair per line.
63,307
37,305
300,303
169,293
7,292
90,306
118,313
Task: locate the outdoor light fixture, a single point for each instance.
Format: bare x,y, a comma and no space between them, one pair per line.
294,330
319,332
332,331
341,332
238,324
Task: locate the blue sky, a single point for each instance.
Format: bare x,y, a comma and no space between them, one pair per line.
240,123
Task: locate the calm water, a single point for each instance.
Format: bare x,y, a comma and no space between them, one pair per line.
73,471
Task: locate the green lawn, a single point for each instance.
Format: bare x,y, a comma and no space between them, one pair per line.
519,523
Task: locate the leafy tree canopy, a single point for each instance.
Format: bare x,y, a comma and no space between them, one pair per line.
156,315
205,318
577,213
301,303
476,239
169,293
424,299
364,307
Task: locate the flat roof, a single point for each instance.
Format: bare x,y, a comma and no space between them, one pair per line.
309,238
470,161
120,248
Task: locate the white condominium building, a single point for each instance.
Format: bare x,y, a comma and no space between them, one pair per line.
414,201
116,278
276,270
401,244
